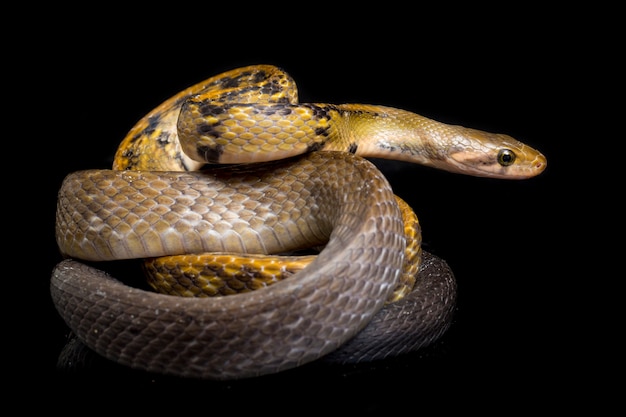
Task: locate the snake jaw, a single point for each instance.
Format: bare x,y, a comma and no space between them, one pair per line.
487,165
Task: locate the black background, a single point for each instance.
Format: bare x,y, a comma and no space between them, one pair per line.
511,244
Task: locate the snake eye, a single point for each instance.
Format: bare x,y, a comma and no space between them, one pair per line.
506,157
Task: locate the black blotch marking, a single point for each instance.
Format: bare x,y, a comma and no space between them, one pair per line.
207,109
387,147
233,95
271,88
206,129
212,154
128,153
153,123
258,76
181,162
319,112
229,82
347,113
164,138
321,131
233,82
353,148
315,146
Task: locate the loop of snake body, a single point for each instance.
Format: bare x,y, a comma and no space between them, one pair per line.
294,178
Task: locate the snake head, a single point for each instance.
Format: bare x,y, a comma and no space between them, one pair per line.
494,155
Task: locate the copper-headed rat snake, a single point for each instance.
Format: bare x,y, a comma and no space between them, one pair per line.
290,176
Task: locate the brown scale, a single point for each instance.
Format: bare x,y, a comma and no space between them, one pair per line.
150,144
222,274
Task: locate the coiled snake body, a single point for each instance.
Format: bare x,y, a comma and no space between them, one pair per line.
161,199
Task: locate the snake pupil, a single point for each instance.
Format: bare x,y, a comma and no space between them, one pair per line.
506,157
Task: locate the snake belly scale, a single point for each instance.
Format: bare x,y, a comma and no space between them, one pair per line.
162,199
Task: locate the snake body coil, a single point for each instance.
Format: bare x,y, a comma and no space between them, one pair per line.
146,207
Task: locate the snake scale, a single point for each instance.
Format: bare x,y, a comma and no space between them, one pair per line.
236,165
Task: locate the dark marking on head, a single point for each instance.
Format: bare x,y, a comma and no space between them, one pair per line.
481,161
212,154
353,148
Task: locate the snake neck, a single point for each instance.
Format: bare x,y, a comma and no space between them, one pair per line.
390,133
187,136
384,132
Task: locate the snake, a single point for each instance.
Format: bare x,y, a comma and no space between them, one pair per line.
235,165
